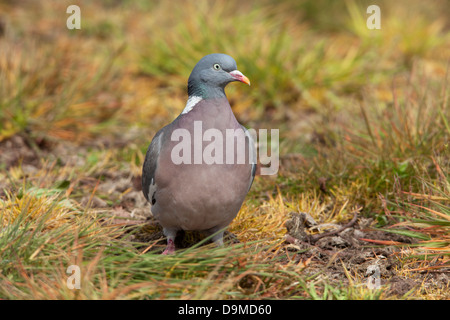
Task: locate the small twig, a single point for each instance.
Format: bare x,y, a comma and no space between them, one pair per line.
298,242
313,238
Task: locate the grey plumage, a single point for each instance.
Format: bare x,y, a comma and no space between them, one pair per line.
150,163
204,197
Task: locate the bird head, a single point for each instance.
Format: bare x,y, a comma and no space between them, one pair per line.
212,73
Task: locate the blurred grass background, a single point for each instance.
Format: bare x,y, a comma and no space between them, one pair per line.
367,111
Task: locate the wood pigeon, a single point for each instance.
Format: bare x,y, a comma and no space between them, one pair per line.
199,168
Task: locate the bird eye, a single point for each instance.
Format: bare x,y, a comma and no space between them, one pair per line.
216,66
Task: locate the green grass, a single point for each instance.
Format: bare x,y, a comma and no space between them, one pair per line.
367,111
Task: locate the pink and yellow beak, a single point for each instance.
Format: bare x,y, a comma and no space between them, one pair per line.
236,74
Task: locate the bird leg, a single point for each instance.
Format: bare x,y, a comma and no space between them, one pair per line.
218,239
170,234
170,249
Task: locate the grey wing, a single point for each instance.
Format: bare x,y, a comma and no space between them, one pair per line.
252,155
150,165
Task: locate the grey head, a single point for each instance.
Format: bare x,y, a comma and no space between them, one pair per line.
211,74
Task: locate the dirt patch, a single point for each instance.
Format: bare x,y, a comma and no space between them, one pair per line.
18,149
350,256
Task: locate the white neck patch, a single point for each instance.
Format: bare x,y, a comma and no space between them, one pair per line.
191,103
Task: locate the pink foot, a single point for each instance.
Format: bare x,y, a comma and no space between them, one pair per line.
170,249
